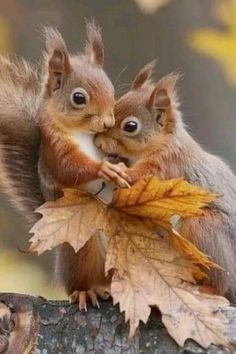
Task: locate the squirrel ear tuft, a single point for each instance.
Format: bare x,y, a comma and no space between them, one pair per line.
57,58
144,76
165,92
94,48
169,83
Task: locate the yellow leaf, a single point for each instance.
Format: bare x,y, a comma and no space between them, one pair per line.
159,200
74,218
148,271
219,44
191,251
183,245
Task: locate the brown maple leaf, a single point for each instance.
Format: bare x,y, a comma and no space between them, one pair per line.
149,271
74,218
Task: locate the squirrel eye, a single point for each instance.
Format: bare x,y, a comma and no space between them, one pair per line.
131,126
79,97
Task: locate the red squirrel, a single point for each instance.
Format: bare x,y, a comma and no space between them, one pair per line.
49,122
150,134
78,102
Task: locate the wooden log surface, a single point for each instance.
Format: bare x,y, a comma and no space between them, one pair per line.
35,325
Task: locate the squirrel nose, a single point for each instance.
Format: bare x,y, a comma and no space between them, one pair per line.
109,122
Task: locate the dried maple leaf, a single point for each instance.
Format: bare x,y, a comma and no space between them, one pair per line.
74,218
148,271
157,199
191,251
181,244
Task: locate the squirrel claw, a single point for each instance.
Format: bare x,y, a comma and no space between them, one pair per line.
93,298
82,297
115,173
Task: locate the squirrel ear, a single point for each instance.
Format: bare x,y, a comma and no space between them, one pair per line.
159,99
94,48
143,77
165,93
58,59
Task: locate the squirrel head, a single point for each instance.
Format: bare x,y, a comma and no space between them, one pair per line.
78,95
145,117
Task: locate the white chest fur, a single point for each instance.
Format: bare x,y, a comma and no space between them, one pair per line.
101,188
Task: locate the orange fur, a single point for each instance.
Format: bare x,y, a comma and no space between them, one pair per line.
83,270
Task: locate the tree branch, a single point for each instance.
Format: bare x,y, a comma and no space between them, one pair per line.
36,325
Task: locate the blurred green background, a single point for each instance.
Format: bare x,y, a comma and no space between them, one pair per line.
194,37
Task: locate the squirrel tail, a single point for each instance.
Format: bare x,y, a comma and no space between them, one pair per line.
20,96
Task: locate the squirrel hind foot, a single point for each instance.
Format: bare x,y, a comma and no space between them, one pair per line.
82,297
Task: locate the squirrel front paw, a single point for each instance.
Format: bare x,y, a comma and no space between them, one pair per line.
115,173
82,297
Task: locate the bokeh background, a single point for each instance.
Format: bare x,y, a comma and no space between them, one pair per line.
194,37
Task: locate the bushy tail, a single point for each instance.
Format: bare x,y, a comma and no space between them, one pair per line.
20,96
